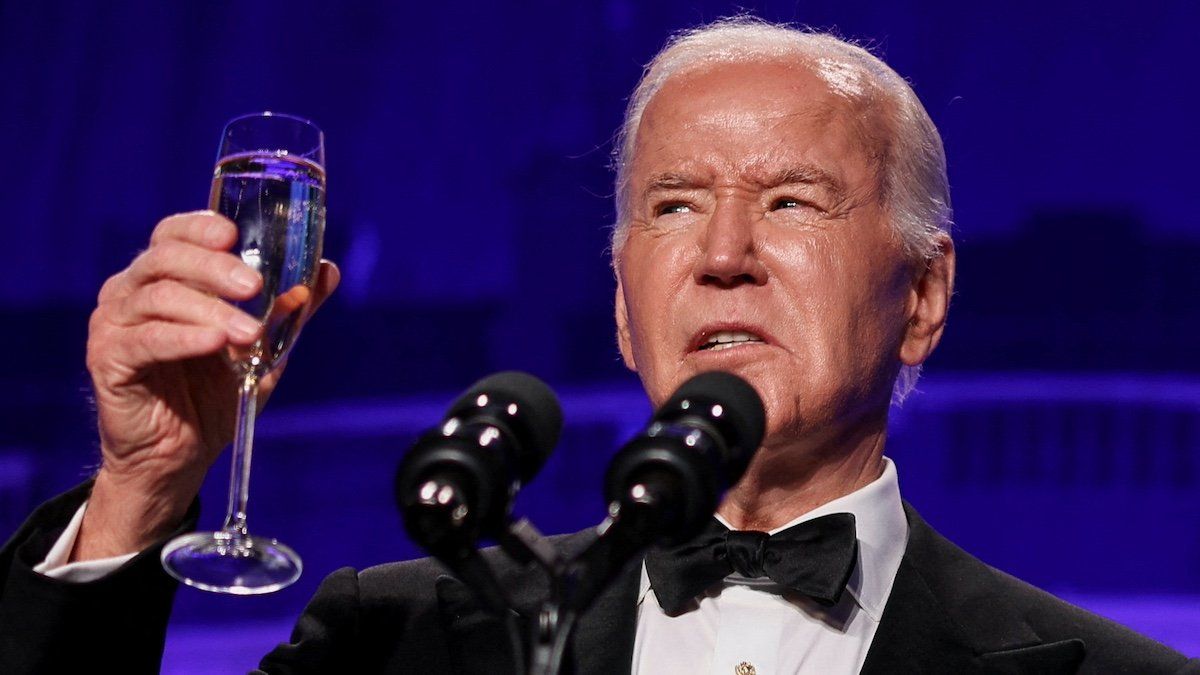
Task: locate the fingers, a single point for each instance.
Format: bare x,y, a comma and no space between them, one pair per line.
116,351
216,272
291,300
191,248
202,228
328,279
113,287
171,301
163,341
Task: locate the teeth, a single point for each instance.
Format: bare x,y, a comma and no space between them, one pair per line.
728,339
724,345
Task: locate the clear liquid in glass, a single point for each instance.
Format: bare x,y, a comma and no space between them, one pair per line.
278,204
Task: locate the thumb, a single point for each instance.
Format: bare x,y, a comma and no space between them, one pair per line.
328,278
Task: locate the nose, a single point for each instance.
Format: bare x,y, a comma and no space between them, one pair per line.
729,249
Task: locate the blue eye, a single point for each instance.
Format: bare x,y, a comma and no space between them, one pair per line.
675,207
786,203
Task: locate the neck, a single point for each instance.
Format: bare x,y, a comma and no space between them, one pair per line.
786,481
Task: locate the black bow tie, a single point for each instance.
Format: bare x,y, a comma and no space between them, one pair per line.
814,558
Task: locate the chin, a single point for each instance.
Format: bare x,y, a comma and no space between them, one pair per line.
760,365
659,386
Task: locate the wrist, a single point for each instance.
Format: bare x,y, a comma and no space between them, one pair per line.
125,517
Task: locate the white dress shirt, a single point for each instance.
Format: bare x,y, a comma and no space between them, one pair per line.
740,626
56,564
756,627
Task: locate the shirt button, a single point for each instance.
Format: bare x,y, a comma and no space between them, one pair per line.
744,668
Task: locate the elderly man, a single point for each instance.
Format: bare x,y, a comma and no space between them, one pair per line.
783,215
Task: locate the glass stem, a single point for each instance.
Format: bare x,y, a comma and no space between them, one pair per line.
239,463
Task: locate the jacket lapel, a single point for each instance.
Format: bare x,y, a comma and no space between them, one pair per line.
479,642
943,616
914,634
604,638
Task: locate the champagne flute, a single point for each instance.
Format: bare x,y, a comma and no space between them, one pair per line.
270,181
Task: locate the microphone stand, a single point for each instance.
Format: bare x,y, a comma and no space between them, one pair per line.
575,583
430,516
649,502
554,623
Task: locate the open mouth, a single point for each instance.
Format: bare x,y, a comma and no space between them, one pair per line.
729,339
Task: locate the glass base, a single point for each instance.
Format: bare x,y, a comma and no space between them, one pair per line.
223,562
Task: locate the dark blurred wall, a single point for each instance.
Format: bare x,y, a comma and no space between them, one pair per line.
470,198
468,146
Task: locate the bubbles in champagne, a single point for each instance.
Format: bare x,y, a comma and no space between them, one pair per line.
278,204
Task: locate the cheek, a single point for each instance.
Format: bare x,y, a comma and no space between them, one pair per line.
845,315
869,320
655,270
647,296
816,287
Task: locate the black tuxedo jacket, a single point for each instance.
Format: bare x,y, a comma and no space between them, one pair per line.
947,613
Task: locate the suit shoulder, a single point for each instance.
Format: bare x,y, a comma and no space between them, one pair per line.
977,594
1111,647
418,578
408,583
418,568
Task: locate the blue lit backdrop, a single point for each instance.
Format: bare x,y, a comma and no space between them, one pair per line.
469,200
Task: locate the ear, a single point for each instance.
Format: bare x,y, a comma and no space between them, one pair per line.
624,341
928,304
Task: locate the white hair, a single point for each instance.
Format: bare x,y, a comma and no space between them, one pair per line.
913,184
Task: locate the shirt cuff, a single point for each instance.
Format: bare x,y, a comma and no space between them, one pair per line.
56,565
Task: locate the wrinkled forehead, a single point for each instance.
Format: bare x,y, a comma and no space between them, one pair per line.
762,109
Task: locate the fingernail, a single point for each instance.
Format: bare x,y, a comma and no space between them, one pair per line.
244,326
244,278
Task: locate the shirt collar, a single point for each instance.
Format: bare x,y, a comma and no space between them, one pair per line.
882,532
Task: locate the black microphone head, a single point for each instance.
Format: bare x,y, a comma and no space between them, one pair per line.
668,480
727,402
524,405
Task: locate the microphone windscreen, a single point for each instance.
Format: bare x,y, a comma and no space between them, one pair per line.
537,417
742,408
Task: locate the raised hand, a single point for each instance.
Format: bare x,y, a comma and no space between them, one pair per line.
165,394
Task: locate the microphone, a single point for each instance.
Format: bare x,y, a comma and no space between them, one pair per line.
457,483
665,484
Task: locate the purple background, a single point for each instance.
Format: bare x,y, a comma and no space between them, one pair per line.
1058,432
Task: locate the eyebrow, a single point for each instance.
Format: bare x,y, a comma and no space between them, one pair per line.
805,174
671,180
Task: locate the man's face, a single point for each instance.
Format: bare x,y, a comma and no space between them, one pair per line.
758,245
